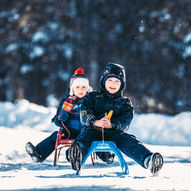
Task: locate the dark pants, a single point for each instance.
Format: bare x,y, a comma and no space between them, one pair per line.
47,146
127,143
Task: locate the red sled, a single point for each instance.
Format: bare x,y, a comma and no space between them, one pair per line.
61,143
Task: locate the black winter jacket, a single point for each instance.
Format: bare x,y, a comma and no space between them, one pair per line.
96,104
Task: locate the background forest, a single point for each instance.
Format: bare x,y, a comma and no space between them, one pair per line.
43,42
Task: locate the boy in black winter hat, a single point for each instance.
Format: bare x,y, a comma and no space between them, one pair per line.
67,117
93,110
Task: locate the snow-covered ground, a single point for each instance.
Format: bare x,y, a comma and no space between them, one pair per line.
25,121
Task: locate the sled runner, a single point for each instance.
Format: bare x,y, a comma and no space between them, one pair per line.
63,143
100,146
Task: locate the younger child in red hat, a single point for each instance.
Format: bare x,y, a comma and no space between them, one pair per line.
68,112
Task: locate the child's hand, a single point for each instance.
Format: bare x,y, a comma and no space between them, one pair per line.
104,123
63,116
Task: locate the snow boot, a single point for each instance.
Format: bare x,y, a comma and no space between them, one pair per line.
75,156
33,152
106,157
155,163
110,158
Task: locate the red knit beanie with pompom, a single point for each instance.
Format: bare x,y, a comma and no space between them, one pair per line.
79,78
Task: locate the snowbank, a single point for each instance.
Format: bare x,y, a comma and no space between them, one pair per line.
26,115
149,128
163,129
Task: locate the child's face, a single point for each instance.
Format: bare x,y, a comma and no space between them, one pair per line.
80,91
112,85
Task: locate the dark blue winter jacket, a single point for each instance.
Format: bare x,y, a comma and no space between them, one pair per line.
74,117
96,105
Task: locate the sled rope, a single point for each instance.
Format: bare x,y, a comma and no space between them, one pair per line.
66,129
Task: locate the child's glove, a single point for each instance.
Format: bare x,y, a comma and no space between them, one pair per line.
66,108
63,116
68,103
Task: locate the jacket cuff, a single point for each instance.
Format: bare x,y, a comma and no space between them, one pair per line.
56,121
90,120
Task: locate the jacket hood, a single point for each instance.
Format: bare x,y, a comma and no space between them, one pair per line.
113,70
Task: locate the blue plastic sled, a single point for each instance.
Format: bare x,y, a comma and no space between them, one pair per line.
105,146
